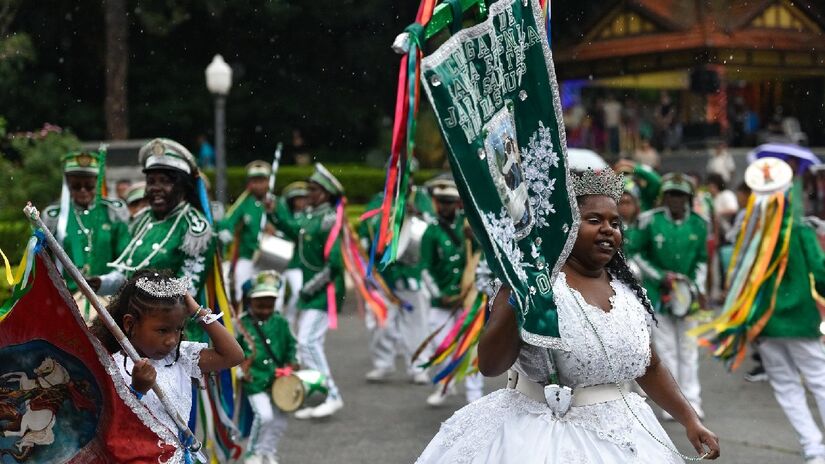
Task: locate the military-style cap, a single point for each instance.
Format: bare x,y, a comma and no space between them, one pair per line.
677,182
295,189
442,186
326,180
136,192
266,284
167,154
82,162
258,168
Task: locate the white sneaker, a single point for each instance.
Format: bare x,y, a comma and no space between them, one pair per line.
271,459
439,396
420,378
379,374
304,413
815,460
254,459
473,396
327,408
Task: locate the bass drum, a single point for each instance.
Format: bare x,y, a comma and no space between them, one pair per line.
409,240
299,389
274,253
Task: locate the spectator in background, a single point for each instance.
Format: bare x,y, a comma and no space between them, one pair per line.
612,113
206,153
121,188
721,162
664,119
647,155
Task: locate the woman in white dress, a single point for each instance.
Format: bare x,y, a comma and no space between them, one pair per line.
605,319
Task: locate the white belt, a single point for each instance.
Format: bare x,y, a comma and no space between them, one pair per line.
582,396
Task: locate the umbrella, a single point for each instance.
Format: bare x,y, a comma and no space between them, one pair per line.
579,159
784,151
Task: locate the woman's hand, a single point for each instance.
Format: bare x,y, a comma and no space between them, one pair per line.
703,440
143,376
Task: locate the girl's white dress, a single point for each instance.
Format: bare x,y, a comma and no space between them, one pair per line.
507,426
175,380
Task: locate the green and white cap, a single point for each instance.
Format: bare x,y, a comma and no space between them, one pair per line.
82,162
677,182
136,192
326,180
295,190
266,284
442,186
258,168
167,154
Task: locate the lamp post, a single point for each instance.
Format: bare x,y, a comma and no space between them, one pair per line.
219,81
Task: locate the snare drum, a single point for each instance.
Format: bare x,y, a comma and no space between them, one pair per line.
299,389
683,298
274,253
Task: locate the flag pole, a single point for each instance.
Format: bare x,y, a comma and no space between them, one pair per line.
33,215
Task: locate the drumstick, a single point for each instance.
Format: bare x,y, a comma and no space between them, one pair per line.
34,217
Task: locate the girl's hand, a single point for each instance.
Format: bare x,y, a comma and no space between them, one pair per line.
191,304
143,376
703,440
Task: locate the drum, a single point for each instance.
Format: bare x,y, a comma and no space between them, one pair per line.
299,389
409,239
683,299
274,253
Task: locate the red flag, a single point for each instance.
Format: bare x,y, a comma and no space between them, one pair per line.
62,399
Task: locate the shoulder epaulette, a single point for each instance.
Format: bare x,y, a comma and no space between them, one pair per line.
117,209
647,216
198,233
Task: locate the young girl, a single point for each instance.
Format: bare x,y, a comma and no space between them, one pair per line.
152,308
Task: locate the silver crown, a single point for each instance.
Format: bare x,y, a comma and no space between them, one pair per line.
164,288
604,182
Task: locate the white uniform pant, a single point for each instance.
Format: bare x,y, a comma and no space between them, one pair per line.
789,361
403,332
268,426
294,279
680,354
312,331
244,270
445,319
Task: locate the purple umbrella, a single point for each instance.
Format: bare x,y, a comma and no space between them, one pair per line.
784,151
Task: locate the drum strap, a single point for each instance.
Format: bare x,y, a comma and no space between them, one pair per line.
266,344
450,231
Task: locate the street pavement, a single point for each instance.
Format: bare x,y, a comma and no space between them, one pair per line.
391,423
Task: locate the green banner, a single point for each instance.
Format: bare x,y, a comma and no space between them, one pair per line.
495,95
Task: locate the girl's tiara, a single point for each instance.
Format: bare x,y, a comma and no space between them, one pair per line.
164,288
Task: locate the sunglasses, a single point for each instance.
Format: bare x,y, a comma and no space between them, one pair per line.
78,186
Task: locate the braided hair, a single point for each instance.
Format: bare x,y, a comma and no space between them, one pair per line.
131,300
618,269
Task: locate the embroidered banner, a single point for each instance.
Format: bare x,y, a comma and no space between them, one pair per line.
495,96
62,399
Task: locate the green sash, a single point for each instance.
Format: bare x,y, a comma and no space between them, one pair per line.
495,95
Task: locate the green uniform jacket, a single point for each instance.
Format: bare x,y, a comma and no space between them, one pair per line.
310,233
281,343
649,183
443,259
795,314
94,236
248,211
666,245
181,243
294,260
630,237
399,276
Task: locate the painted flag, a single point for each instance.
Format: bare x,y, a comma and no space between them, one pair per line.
62,398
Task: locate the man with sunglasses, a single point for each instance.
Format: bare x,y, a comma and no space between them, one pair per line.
93,230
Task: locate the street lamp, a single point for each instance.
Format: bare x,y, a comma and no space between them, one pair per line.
219,81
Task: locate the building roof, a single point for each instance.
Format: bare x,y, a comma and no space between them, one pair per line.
633,28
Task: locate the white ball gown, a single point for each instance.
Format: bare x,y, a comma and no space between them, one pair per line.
507,426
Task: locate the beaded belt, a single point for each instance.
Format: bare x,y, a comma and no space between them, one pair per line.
560,399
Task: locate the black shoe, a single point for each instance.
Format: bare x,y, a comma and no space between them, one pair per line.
757,374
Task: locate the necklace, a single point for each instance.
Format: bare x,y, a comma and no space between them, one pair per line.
624,398
86,232
144,229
